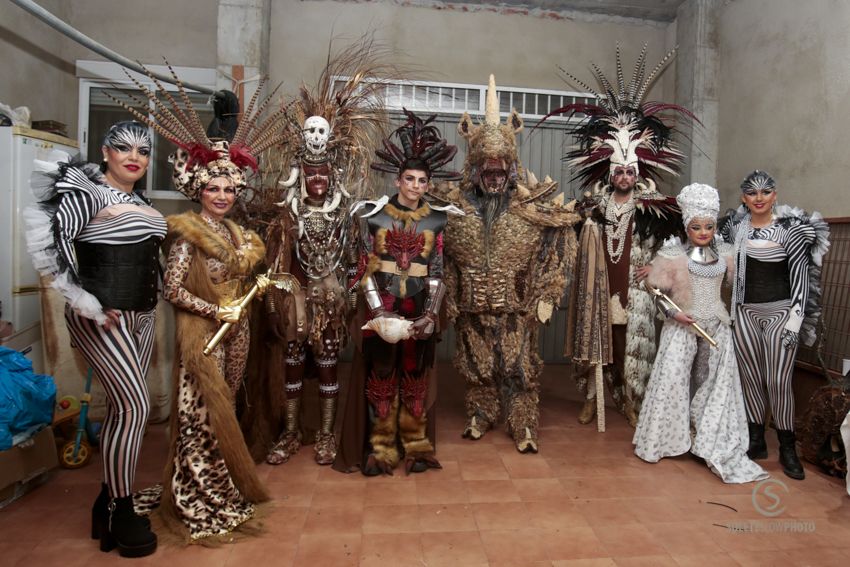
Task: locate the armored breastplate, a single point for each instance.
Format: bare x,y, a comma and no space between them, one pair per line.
504,283
404,243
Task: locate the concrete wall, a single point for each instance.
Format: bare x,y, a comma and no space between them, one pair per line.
783,92
35,70
456,46
39,63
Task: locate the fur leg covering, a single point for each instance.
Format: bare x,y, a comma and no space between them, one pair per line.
412,433
383,437
474,361
520,386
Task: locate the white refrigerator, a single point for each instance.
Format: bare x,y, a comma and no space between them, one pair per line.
19,282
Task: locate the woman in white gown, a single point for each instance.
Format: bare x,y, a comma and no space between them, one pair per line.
694,400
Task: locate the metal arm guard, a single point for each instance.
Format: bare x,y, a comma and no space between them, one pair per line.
436,293
372,297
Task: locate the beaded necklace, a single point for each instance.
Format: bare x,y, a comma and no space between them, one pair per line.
619,218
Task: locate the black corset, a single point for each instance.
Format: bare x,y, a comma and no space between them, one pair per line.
122,276
767,281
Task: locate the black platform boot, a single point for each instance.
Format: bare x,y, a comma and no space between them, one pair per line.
128,532
758,446
100,513
791,465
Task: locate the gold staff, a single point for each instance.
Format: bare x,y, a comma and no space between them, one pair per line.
281,281
661,295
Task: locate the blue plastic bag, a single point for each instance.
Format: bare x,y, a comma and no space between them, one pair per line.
26,398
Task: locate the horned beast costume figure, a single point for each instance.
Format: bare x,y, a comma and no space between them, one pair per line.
310,237
506,264
623,139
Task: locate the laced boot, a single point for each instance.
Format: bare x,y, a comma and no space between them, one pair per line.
758,445
791,465
588,411
100,513
289,442
127,531
325,446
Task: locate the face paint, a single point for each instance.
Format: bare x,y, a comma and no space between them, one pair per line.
124,136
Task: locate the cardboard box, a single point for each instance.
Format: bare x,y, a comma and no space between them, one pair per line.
26,465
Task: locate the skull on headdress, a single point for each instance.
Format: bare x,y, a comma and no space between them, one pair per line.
317,131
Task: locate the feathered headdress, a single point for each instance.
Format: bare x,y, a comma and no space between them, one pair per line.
621,129
353,107
422,146
198,159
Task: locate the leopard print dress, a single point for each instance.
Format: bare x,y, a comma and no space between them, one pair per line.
205,497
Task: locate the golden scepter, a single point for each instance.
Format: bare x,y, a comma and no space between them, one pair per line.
280,281
661,295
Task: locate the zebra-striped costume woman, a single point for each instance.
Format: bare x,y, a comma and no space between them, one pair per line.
99,242
776,303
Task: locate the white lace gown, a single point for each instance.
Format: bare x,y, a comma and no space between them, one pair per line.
694,400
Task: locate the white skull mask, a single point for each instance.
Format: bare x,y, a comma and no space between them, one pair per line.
317,130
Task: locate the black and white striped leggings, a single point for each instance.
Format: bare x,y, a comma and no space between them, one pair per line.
120,357
765,365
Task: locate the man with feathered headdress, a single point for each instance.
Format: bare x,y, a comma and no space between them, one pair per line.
400,273
623,141
506,265
333,126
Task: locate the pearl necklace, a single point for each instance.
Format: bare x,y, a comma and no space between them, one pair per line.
618,216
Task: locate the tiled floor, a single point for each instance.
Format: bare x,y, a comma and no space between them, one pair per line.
585,499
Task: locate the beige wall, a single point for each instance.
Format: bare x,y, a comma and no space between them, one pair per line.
784,96
460,47
34,69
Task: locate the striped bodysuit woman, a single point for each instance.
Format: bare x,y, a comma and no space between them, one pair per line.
776,297
99,242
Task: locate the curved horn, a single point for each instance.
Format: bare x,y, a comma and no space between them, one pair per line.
293,177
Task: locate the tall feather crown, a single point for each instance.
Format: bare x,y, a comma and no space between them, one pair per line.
199,159
422,145
353,106
621,129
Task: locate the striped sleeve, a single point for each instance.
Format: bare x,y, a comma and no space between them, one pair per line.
800,237
75,211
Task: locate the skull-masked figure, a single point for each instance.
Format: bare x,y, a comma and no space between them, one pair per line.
309,240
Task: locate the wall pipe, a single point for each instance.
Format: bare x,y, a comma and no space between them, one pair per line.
59,25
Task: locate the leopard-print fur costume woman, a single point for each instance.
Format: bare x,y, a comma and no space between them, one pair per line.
210,481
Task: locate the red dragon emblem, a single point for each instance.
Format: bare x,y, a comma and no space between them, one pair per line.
404,244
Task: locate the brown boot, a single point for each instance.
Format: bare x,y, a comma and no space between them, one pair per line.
325,446
290,440
588,411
